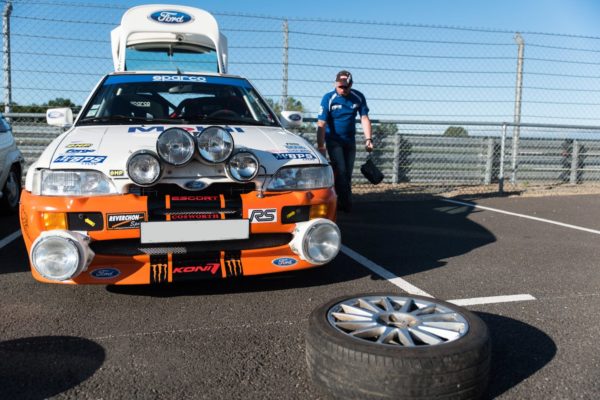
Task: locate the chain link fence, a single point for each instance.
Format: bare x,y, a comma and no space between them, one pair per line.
453,107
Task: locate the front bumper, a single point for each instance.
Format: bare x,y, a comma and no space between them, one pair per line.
112,224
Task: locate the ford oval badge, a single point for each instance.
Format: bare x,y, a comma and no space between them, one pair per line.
105,273
171,17
195,185
295,117
55,114
284,261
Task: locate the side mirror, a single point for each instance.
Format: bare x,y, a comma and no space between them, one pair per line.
62,117
291,119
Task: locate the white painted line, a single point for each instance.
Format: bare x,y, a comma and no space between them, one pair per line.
548,221
10,238
492,299
384,273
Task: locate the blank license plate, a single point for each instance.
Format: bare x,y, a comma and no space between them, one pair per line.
194,231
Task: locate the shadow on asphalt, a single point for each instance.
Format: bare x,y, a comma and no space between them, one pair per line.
403,237
518,351
44,366
408,237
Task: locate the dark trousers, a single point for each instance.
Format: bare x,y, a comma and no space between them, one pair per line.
341,156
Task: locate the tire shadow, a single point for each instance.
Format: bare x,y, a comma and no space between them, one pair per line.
518,351
44,366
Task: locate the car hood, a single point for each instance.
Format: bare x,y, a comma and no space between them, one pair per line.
107,149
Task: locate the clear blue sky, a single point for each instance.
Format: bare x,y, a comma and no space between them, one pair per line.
580,17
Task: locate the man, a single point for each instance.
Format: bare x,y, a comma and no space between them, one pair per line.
336,130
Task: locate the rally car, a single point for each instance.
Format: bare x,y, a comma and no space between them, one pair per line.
175,172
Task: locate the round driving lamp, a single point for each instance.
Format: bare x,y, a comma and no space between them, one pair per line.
59,255
317,241
215,144
143,167
175,146
243,166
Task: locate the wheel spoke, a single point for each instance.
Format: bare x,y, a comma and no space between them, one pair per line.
405,337
447,334
448,325
446,316
369,332
368,306
387,335
356,325
387,306
351,317
428,309
355,310
406,306
425,337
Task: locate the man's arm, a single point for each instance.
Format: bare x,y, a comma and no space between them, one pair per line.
366,125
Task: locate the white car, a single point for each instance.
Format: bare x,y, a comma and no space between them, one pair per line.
11,169
175,174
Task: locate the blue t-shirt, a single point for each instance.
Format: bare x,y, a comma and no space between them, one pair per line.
339,113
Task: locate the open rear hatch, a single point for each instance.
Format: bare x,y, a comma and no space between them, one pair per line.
170,38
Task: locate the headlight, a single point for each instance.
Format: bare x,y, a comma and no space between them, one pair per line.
60,255
215,144
75,183
175,146
317,241
144,168
302,178
243,166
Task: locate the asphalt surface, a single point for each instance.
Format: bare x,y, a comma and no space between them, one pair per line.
244,339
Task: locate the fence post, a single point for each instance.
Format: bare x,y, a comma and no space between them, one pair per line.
395,166
6,54
489,161
574,162
502,151
517,116
284,81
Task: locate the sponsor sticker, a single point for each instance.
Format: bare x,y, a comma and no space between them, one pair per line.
262,215
125,220
55,114
105,273
90,160
80,151
78,145
284,262
293,156
159,128
210,267
116,172
178,78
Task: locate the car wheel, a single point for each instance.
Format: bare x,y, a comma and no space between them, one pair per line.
384,346
11,192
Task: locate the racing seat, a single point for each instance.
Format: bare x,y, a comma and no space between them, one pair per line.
133,105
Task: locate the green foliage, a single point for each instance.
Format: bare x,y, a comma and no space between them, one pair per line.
292,104
41,108
456,131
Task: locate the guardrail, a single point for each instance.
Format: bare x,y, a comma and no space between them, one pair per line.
418,152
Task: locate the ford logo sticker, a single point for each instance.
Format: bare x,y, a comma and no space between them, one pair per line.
171,17
105,273
195,185
284,261
55,114
295,117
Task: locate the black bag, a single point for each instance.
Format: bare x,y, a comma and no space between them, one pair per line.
371,172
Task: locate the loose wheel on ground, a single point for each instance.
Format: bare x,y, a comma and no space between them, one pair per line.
384,346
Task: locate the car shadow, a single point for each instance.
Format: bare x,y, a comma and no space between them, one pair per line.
518,351
44,366
404,237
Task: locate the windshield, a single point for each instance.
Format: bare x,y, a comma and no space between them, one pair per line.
123,99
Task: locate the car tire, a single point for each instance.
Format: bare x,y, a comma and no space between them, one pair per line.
344,366
11,192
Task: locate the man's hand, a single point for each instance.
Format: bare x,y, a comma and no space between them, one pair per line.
369,145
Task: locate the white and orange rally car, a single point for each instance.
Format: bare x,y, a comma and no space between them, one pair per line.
174,170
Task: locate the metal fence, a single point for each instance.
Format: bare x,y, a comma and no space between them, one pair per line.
494,85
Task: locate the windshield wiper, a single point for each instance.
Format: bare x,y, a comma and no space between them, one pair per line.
115,118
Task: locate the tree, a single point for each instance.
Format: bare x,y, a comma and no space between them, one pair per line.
292,104
456,131
60,102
